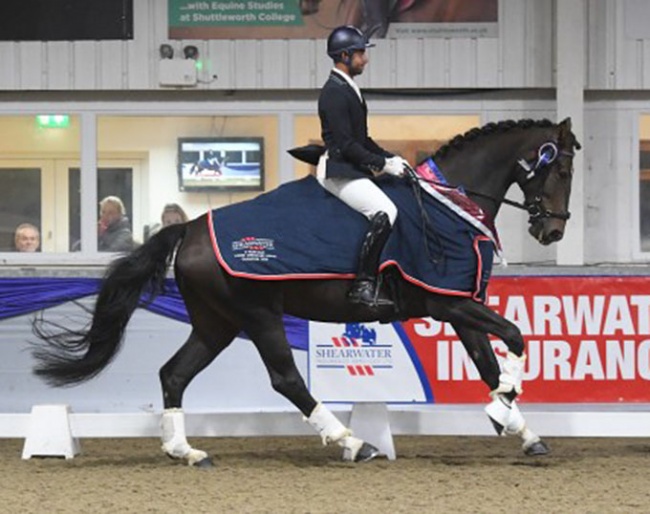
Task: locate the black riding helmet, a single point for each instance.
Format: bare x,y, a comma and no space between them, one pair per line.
346,39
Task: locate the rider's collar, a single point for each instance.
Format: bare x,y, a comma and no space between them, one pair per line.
349,80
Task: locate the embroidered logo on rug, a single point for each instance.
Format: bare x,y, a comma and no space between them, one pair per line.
254,249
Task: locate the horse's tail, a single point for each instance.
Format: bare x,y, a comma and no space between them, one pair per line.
74,356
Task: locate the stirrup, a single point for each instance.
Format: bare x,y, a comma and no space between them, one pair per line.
366,292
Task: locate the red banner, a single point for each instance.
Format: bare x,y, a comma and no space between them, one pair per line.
587,340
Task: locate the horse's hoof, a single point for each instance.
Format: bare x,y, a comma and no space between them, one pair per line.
366,453
204,463
537,448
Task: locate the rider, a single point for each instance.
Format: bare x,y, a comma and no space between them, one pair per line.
353,158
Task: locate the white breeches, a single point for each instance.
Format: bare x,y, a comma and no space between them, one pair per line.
361,194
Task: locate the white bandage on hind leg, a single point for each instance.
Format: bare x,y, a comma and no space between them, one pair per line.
327,425
173,433
512,376
173,437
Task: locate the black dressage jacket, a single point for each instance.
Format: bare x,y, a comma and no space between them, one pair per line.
344,129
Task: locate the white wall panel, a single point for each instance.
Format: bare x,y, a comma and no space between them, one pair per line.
435,64
112,64
143,51
408,69
301,66
273,64
85,76
512,36
221,58
30,65
539,44
8,66
599,47
521,56
462,63
379,72
247,65
611,167
58,65
615,61
488,65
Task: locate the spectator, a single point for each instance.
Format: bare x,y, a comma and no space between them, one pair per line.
27,238
114,231
173,214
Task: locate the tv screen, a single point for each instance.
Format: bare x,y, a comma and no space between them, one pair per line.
221,164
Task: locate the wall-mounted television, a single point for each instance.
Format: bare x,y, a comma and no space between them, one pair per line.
220,164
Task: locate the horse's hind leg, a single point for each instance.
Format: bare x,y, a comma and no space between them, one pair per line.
197,353
266,329
504,388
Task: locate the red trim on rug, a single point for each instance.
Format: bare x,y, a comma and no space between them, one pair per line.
343,276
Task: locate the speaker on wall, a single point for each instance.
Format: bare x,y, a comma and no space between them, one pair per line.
65,20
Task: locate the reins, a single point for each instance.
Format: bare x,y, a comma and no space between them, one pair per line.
546,155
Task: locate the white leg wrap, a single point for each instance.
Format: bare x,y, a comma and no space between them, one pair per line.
516,423
174,441
327,425
514,367
506,414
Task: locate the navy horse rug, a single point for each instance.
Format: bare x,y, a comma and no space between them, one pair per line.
440,242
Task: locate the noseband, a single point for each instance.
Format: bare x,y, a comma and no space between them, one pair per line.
546,154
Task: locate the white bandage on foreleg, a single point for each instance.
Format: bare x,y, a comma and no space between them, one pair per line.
506,385
327,425
514,366
516,423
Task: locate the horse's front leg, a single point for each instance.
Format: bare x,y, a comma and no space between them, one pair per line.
472,322
505,386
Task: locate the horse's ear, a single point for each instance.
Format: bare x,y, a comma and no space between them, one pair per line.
565,132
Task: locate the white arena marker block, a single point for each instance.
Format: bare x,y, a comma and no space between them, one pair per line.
49,434
369,421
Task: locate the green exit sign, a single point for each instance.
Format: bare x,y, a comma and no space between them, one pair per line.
53,120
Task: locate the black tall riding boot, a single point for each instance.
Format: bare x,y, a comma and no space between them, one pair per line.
364,288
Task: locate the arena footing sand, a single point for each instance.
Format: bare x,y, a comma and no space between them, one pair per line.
287,475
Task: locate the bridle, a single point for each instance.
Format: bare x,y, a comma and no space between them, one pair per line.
546,154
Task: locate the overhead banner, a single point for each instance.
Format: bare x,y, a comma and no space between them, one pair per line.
587,341
315,19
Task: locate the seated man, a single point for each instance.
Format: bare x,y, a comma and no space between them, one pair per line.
114,230
27,238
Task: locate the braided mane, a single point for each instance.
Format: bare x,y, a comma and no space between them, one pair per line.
491,128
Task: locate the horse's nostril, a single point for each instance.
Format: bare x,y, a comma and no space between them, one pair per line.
554,235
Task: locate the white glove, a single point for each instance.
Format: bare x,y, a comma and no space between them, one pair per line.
394,166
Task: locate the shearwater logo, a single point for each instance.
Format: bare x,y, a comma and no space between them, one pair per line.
254,249
356,351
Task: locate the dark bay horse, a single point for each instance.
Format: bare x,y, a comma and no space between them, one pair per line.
535,155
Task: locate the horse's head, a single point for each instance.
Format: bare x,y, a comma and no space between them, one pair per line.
544,176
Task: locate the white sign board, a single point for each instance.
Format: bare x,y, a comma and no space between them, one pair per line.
363,362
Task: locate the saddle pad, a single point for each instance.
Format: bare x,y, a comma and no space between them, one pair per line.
301,231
